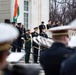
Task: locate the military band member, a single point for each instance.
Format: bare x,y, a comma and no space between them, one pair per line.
43,33
51,58
14,44
8,34
68,67
41,26
34,45
19,40
27,38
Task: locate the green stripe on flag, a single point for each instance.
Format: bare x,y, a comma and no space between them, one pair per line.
18,13
14,19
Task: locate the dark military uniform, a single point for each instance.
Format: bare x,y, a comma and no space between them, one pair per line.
43,34
19,40
68,67
7,70
14,44
17,44
51,58
27,46
35,47
5,45
41,27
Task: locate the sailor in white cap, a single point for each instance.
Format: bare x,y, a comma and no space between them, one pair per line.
8,34
51,58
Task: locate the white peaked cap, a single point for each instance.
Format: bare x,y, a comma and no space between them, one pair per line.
7,33
59,28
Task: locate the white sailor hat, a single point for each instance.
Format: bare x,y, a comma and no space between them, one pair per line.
61,30
7,33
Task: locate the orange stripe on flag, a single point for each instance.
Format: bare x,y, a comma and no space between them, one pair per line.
15,8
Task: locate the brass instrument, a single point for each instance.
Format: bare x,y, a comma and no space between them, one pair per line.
46,42
41,41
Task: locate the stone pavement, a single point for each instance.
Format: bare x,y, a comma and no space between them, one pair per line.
36,65
31,63
22,61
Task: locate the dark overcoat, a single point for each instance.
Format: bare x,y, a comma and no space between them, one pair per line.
51,58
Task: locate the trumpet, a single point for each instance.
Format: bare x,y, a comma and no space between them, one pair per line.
42,41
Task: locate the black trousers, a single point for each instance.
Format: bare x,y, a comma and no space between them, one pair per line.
19,44
27,55
35,55
13,49
14,46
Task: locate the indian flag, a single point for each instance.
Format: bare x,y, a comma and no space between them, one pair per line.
16,11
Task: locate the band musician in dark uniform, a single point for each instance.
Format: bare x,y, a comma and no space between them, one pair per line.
34,45
5,46
51,58
43,34
15,42
41,26
19,40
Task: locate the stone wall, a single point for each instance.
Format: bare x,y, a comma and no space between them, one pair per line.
4,10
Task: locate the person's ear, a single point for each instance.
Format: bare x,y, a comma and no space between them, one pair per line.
64,38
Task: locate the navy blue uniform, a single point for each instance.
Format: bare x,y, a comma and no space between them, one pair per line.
68,67
35,50
18,44
41,27
43,34
14,44
19,40
51,59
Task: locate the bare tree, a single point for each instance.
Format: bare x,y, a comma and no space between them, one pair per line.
64,11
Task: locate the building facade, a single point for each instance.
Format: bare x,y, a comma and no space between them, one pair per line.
32,12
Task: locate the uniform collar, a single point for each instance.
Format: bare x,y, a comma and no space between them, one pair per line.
58,44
